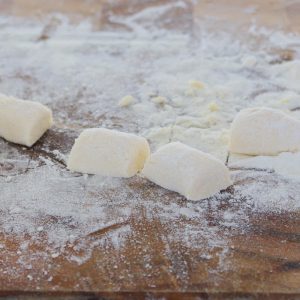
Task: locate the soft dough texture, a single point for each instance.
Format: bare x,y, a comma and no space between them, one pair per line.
264,131
23,122
190,172
108,153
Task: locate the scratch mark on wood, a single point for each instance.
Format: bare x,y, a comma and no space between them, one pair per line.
104,230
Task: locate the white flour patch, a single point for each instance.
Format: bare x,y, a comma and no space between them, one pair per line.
286,164
267,192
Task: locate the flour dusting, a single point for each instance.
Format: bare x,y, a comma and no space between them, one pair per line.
286,164
184,87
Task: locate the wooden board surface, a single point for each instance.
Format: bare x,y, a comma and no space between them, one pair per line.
261,258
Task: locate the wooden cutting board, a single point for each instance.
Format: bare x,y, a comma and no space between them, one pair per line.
261,258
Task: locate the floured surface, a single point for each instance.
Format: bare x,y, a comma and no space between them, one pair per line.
286,164
64,231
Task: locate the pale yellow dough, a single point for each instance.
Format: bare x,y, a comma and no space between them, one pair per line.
23,122
264,131
108,152
190,172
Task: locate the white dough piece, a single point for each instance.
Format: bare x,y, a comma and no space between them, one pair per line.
108,152
190,172
264,131
23,122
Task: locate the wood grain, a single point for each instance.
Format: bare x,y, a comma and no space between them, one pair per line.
261,260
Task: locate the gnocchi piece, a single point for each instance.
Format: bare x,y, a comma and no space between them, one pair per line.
190,172
264,131
23,122
108,152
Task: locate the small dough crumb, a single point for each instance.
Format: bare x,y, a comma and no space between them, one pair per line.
126,101
196,85
159,100
213,106
194,88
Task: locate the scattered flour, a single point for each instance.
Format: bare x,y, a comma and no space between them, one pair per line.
266,192
187,87
286,164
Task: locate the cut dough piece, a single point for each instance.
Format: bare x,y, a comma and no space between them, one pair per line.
23,122
190,172
264,131
108,153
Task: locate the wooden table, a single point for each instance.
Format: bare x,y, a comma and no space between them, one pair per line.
262,260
